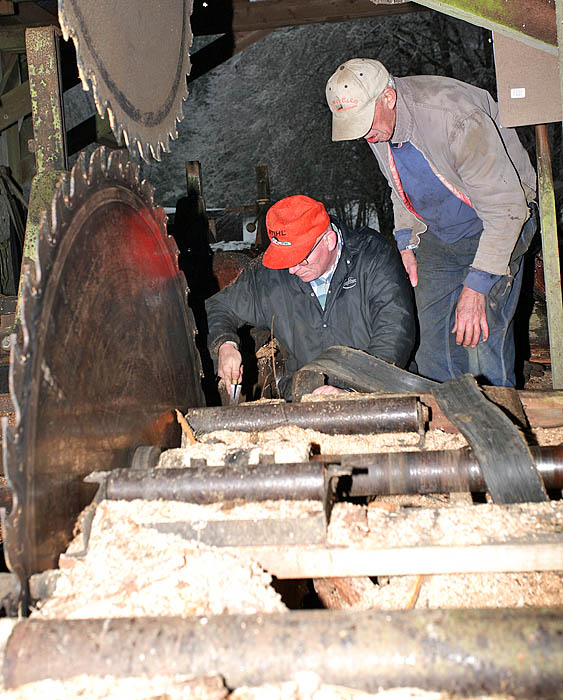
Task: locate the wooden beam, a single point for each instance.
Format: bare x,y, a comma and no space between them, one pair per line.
221,50
6,7
14,104
550,248
31,14
287,562
529,21
248,16
245,39
12,38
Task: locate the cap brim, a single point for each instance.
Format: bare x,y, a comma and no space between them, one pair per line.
278,258
350,125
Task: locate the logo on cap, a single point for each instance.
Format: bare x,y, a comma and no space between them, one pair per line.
276,240
342,103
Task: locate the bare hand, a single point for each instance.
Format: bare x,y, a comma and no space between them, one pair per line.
409,263
229,367
329,389
470,318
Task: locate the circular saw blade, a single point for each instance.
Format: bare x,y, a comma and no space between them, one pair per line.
104,353
136,57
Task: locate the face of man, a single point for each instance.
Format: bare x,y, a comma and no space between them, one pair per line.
384,117
319,260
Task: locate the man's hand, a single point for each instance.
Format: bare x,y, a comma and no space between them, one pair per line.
470,318
229,367
329,389
409,263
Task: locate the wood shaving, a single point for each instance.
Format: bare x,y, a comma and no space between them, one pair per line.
453,525
178,688
112,688
548,436
462,591
130,570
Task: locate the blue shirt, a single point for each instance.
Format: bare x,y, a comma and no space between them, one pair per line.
447,216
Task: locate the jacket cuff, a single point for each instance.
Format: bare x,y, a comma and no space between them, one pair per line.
216,343
480,281
402,236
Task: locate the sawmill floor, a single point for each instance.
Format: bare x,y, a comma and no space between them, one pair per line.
134,566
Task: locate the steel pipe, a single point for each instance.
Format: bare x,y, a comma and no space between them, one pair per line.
290,482
440,471
374,415
443,471
516,652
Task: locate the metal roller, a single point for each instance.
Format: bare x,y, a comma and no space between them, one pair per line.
465,652
374,415
443,471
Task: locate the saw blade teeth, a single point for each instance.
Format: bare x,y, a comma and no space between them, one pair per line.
98,165
131,173
62,189
115,165
161,218
17,379
58,209
78,181
29,290
155,150
147,192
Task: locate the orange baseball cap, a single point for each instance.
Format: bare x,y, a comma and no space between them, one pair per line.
293,225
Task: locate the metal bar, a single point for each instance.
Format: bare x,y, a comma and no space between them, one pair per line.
551,262
304,481
46,96
48,130
360,475
445,471
515,652
375,415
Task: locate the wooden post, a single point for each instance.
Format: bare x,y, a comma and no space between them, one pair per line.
195,195
552,269
262,204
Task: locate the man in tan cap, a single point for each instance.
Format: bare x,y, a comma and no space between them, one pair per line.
318,284
462,189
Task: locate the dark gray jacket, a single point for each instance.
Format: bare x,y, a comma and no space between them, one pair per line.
368,306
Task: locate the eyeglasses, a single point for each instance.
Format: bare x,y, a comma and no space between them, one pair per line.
306,260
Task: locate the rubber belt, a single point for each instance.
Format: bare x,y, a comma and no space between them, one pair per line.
503,455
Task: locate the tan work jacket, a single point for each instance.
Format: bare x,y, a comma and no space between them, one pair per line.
456,128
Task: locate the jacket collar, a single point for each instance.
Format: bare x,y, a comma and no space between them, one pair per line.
404,120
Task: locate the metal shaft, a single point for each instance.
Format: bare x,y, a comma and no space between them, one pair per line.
515,652
381,474
290,482
444,471
383,414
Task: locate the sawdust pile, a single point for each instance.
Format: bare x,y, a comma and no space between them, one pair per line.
293,444
306,686
133,569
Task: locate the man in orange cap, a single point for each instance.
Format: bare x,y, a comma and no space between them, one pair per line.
318,284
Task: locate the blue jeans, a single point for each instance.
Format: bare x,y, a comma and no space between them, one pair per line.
442,268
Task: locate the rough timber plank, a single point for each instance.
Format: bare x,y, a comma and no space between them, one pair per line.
329,562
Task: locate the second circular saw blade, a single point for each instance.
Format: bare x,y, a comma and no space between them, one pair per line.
135,55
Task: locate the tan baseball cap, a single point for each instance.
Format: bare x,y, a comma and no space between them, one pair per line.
351,92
